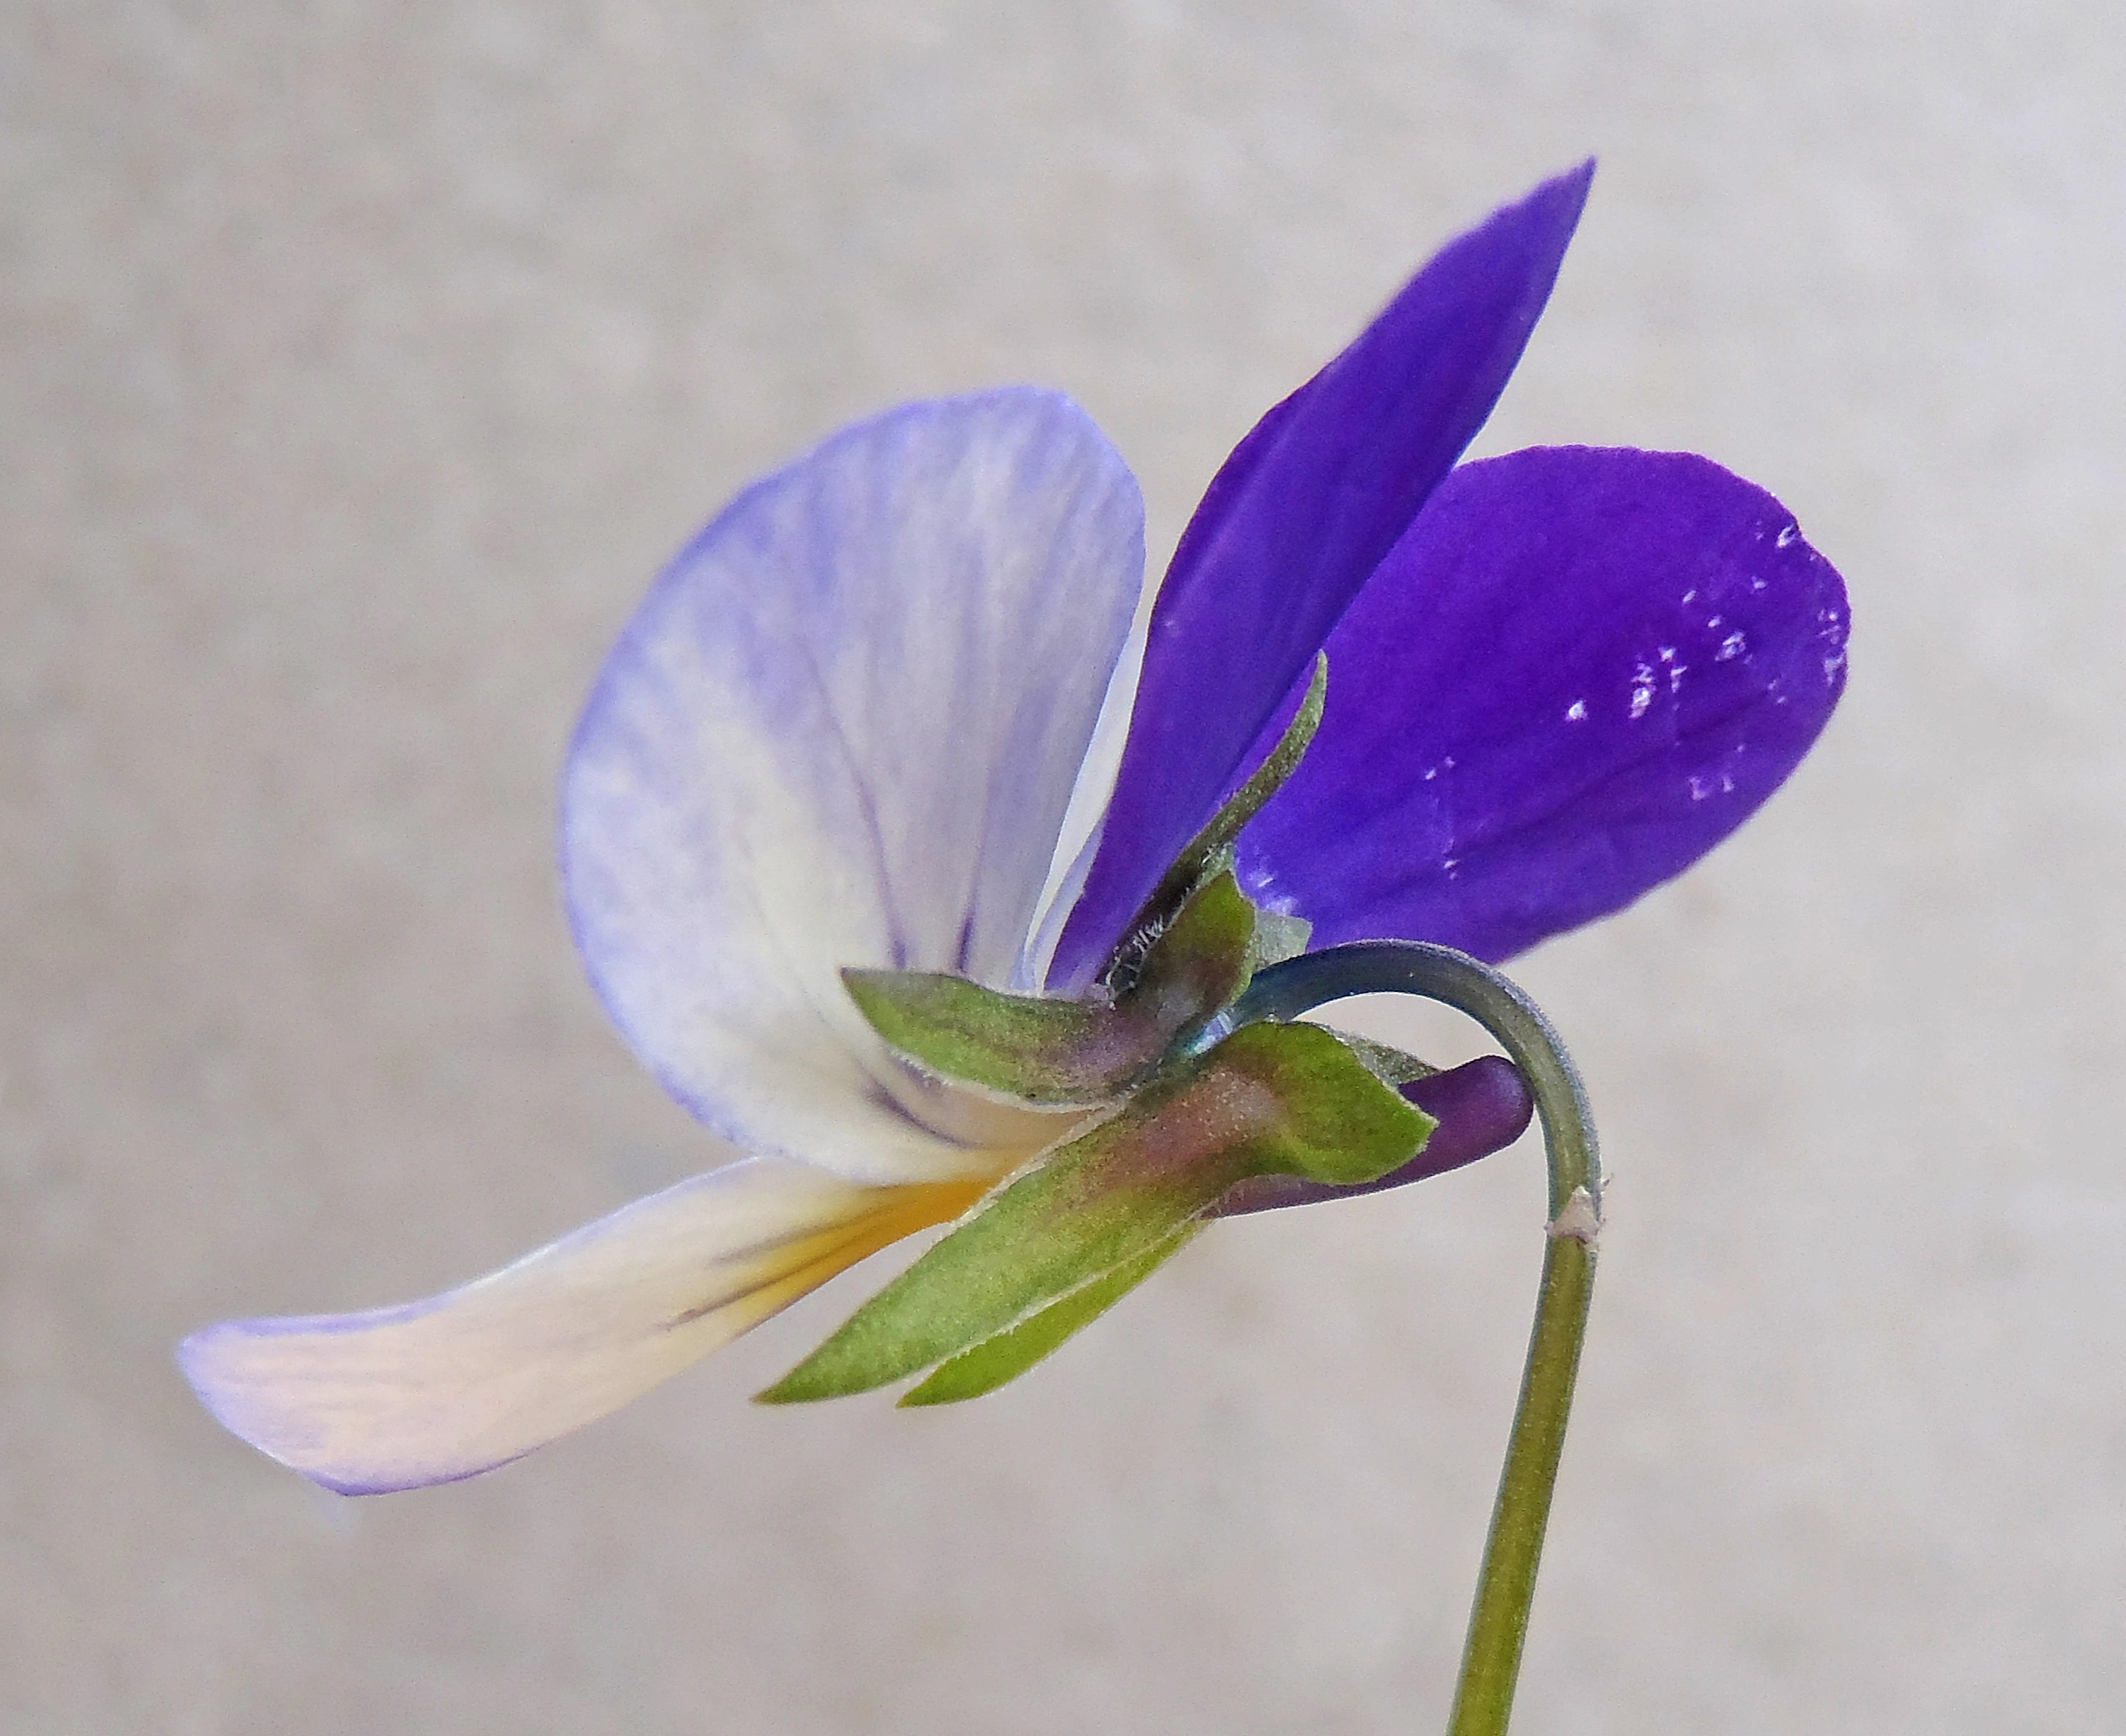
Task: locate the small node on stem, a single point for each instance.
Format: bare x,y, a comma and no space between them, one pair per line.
1581,1220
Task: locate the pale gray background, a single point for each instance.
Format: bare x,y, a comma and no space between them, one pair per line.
361,363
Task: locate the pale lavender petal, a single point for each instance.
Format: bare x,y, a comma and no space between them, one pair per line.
436,1390
1290,528
1578,673
842,730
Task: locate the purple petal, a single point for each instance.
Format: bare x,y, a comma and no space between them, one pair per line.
1481,1106
843,729
1578,673
1291,526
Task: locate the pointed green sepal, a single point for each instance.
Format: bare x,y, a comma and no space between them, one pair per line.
1198,963
1336,1120
1007,1356
1052,1052
1069,1054
1269,1099
1209,847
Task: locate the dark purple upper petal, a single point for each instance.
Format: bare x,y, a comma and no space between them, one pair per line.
1579,670
1289,529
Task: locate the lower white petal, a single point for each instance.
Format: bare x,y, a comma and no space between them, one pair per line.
436,1390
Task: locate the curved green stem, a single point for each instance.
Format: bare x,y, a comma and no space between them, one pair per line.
1505,1588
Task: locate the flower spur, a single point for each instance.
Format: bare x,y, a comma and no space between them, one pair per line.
858,724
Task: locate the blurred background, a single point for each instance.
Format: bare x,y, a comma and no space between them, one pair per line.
358,366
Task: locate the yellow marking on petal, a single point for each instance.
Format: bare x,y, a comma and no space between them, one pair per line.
791,1269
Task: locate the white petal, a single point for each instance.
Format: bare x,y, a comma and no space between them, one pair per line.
440,1389
844,730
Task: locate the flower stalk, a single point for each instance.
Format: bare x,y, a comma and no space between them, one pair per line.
1506,1585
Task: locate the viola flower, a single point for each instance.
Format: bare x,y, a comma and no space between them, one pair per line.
853,747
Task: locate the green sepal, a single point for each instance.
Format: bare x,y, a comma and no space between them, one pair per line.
1007,1356
1058,1054
1269,1099
1198,964
1022,1046
1339,1122
1208,850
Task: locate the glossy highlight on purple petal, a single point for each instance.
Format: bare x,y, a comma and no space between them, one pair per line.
1481,1106
1580,670
1301,513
